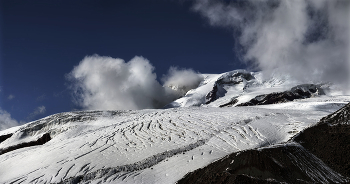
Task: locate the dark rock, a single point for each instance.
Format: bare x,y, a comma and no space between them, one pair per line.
42,140
330,140
235,77
228,79
297,92
229,104
341,116
211,96
281,164
4,137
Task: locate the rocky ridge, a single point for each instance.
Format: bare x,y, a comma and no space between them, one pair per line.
297,92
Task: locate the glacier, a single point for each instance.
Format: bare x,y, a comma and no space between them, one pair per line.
160,145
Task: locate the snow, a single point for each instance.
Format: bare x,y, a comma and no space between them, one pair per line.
157,145
196,97
160,146
244,91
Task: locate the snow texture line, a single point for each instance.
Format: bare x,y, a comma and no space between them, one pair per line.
141,165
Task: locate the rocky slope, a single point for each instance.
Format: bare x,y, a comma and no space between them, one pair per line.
289,163
225,80
297,92
318,154
330,140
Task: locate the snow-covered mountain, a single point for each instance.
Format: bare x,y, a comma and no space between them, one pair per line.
240,86
163,145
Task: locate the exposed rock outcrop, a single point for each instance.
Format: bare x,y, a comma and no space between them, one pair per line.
230,103
297,92
228,79
42,140
286,163
330,140
4,137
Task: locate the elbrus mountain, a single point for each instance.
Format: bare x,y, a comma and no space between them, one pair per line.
235,127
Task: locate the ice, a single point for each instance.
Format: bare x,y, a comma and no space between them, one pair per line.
149,146
158,145
239,84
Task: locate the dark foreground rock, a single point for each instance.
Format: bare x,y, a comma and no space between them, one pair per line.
330,140
319,154
282,164
297,92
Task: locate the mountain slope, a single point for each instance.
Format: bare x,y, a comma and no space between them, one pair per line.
148,146
161,145
287,163
319,156
330,140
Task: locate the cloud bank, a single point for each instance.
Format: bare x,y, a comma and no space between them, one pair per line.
181,79
306,39
6,121
107,83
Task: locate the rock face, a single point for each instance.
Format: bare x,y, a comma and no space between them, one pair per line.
42,140
289,163
228,79
4,137
330,140
319,154
297,92
230,104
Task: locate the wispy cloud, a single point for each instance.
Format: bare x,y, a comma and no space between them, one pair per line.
100,82
37,111
6,121
10,97
41,98
60,93
307,39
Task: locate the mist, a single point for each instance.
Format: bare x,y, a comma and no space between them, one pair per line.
181,79
106,83
305,39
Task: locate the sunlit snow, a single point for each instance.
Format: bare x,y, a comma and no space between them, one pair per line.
151,146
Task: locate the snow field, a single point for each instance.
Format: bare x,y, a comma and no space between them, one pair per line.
147,146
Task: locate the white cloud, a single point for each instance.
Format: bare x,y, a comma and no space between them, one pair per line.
182,79
100,82
307,39
39,110
6,121
10,97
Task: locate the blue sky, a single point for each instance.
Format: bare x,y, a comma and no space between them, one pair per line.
41,42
